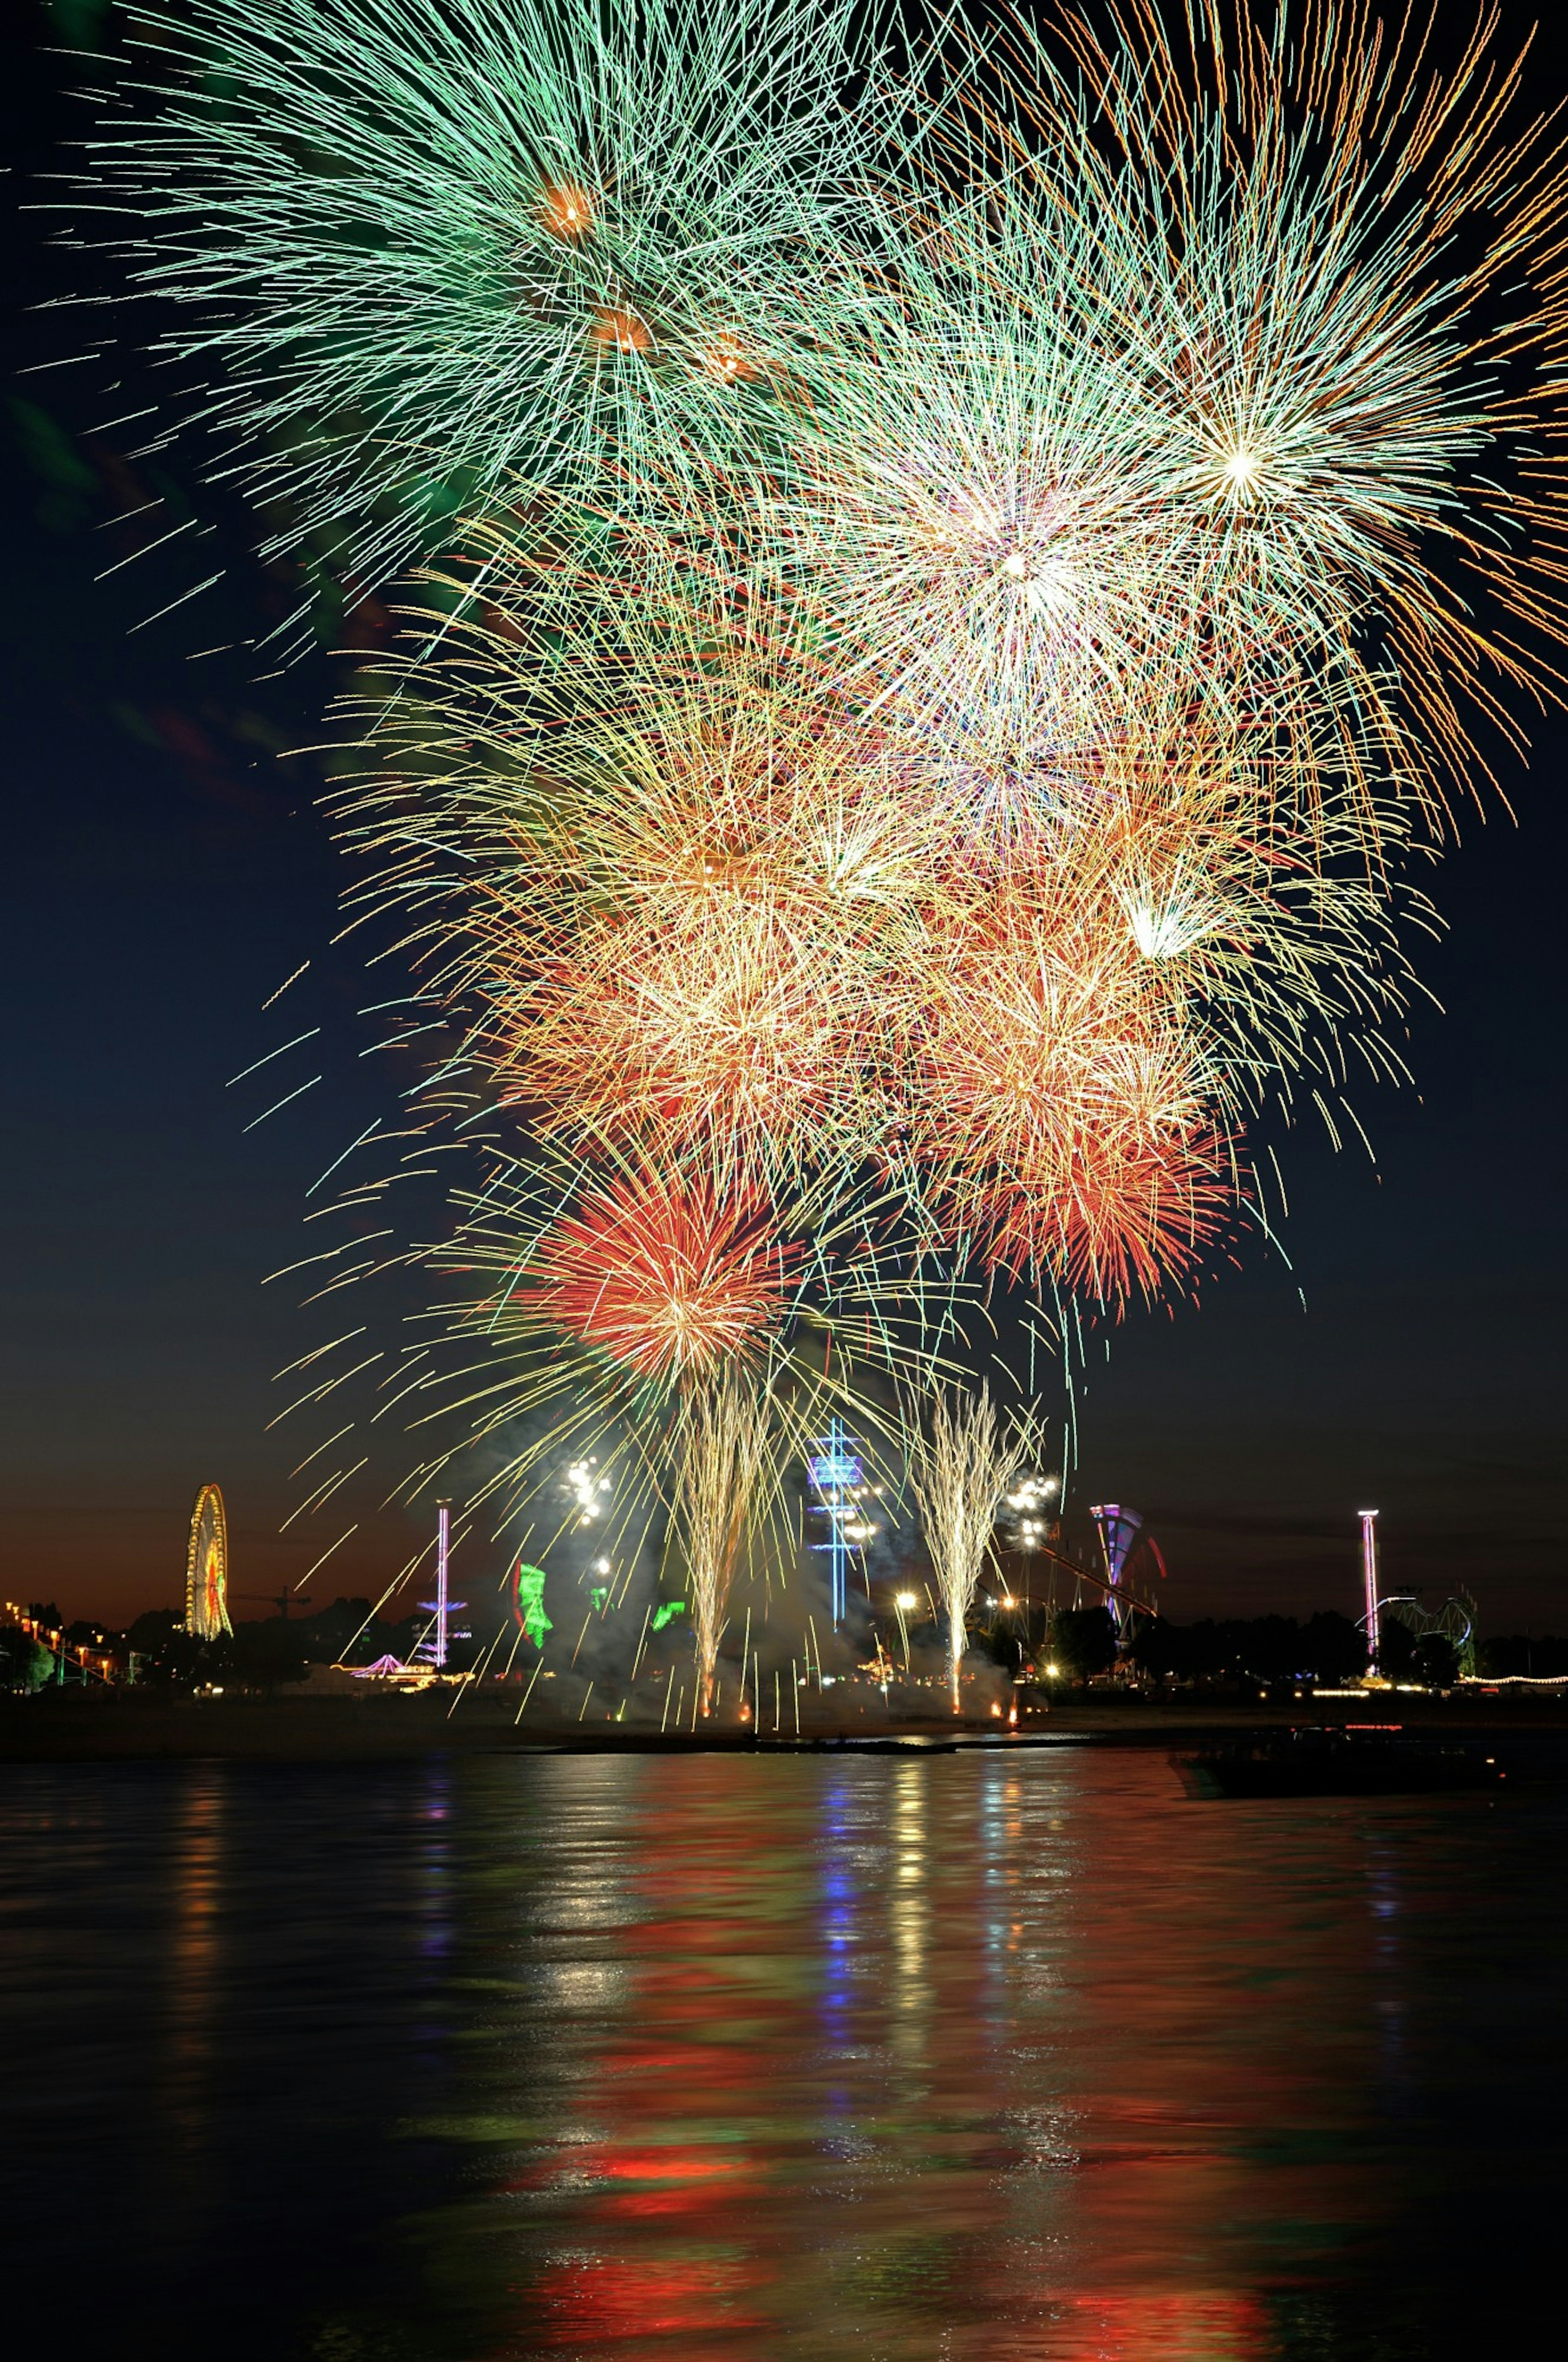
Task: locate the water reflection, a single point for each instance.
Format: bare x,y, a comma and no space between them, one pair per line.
192,1978
1026,2057
1020,2057
910,1918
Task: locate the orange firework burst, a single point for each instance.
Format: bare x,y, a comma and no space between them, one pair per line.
619,325
732,1039
566,210
1133,1210
664,1277
739,871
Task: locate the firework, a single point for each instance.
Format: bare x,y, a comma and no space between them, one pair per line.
419,252
1299,234
725,1463
692,895
1128,962
961,1462
708,901
665,1279
678,885
970,524
1058,1100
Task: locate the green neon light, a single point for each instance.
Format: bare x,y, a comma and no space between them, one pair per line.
530,1603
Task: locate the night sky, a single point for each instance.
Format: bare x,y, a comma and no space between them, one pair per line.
165,874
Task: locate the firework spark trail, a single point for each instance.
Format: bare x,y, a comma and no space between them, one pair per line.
724,1466
961,1462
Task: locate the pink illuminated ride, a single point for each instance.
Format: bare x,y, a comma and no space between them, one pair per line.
1369,1578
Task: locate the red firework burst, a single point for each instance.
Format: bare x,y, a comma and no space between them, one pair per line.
662,1275
1067,1123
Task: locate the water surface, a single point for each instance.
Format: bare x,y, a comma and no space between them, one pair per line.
1000,2057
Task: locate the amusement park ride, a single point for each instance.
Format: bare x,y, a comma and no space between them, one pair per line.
435,1647
1123,1541
207,1568
1454,1622
837,1480
838,1495
1121,1532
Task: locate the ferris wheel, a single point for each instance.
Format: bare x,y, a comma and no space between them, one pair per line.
207,1568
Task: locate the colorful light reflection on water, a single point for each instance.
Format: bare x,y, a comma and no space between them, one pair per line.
1013,2058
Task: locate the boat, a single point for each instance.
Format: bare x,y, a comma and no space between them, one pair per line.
1314,1760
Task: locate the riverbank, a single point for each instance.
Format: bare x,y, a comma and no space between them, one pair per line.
133,1725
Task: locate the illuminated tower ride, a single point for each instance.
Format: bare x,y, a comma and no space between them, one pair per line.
207,1568
434,1647
1369,1577
835,1473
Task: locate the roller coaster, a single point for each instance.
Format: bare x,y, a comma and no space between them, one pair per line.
1455,1622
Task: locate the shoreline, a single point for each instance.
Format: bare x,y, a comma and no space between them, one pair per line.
129,1726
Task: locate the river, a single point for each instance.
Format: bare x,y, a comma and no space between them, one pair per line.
1002,2056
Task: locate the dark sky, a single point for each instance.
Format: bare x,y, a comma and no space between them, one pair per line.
165,874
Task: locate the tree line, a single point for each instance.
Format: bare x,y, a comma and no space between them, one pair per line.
1324,1650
